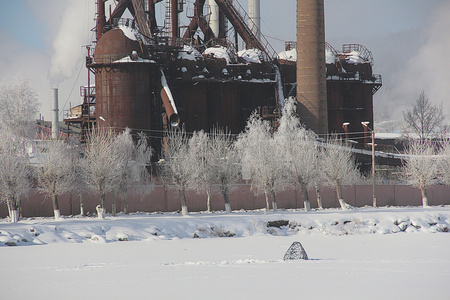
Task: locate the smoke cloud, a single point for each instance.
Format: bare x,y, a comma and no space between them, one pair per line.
425,70
67,45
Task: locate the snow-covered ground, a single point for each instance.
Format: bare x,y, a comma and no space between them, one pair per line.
383,253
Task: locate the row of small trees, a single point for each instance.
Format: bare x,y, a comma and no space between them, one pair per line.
274,161
290,157
207,163
109,163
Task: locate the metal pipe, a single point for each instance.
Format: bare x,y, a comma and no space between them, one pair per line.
151,17
372,134
169,103
280,91
345,127
174,17
373,169
101,18
55,121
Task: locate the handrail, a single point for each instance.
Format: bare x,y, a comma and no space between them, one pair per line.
84,91
363,51
239,14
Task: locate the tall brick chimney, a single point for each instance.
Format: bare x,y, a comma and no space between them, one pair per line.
311,68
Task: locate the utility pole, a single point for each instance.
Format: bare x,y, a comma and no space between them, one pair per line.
372,134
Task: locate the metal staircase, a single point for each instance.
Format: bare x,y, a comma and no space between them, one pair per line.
237,16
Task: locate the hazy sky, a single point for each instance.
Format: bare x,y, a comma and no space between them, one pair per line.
43,41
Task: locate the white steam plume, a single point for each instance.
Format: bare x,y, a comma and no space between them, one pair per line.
425,71
68,43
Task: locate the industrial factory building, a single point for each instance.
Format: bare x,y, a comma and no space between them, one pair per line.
150,76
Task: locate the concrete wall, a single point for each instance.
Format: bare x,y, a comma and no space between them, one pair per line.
164,200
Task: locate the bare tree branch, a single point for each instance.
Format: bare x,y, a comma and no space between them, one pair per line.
421,167
177,169
54,170
338,167
300,151
15,173
424,119
261,154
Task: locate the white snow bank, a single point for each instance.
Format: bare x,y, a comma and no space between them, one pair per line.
189,53
218,52
149,262
144,226
250,55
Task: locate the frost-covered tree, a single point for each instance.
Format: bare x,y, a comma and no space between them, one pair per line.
54,171
262,155
123,147
421,166
132,159
80,182
299,150
444,162
18,108
424,119
225,163
177,169
141,167
337,167
200,154
15,173
216,162
101,165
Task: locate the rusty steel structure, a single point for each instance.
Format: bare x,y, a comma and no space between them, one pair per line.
149,77
350,86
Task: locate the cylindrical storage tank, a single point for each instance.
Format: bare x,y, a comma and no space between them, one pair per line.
124,82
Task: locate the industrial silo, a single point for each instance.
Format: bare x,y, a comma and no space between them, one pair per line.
126,82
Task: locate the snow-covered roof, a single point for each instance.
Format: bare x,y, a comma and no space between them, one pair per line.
219,52
129,32
387,135
189,53
127,59
290,55
354,57
329,57
250,55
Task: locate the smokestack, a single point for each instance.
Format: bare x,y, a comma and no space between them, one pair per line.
55,121
101,18
214,18
254,14
311,68
174,15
